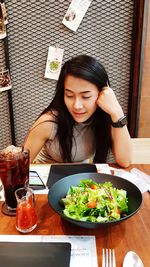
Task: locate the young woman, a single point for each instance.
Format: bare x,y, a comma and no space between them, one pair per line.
84,120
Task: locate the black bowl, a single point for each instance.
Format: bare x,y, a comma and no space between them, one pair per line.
60,189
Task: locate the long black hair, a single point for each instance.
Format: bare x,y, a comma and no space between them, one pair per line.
89,69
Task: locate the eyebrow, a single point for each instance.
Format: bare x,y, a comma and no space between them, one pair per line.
82,92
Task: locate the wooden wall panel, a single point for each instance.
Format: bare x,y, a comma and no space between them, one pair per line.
144,118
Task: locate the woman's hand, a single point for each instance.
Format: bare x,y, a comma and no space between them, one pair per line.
108,102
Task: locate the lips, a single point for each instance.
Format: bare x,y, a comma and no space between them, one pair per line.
79,113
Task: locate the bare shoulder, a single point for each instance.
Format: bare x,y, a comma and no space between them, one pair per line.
44,125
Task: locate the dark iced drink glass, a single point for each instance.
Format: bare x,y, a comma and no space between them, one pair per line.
14,173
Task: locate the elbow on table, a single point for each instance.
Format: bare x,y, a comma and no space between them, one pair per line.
124,163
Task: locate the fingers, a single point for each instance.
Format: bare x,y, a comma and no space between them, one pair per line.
104,89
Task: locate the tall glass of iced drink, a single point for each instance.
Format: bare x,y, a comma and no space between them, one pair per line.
14,174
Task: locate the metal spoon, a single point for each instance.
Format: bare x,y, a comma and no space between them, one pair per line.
133,260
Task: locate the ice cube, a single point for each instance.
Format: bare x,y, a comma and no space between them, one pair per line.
10,151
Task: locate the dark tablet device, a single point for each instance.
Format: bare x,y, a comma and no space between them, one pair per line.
60,171
35,254
35,181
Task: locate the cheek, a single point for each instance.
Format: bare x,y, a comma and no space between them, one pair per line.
93,107
93,103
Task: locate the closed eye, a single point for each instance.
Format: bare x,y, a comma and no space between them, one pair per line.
86,97
69,96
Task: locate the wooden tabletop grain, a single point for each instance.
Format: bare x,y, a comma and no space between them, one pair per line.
132,234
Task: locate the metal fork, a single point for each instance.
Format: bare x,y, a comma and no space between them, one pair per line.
108,258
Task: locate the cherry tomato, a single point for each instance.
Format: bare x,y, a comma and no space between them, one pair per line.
92,204
93,186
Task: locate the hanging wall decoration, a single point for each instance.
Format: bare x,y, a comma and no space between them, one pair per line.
54,61
75,13
4,13
5,83
2,29
3,21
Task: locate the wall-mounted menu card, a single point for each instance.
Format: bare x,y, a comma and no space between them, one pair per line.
54,61
75,13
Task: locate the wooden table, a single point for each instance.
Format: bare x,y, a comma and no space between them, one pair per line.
132,234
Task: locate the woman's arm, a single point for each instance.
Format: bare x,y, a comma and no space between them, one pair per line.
121,141
121,146
38,135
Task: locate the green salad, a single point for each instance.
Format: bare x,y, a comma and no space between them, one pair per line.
93,202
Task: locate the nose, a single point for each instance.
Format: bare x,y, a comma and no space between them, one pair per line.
77,103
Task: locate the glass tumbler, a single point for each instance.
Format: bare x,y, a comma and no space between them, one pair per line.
14,174
26,219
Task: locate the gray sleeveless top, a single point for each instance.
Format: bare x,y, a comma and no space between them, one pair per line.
83,145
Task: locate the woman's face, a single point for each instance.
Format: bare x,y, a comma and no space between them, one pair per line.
80,98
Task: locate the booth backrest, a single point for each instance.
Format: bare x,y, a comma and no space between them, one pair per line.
141,150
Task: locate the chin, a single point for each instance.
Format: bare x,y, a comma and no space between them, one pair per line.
81,120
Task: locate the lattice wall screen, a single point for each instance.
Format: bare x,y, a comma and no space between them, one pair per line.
5,129
105,32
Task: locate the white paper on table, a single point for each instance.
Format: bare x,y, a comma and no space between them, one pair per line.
83,248
143,177
103,168
43,171
133,178
75,13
